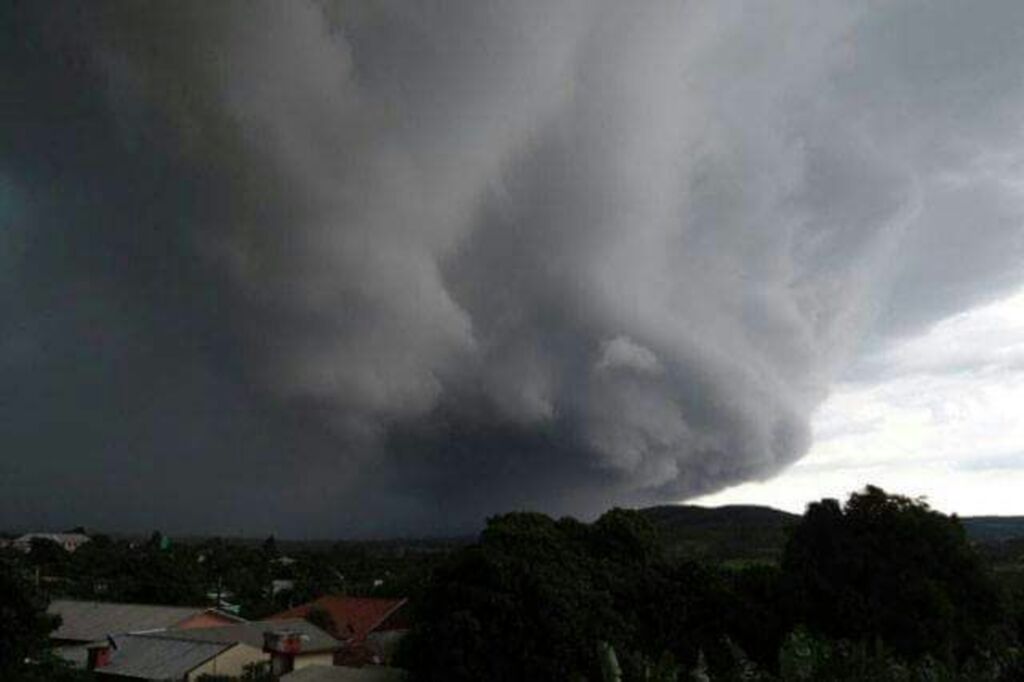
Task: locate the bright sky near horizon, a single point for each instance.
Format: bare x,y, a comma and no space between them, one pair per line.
938,416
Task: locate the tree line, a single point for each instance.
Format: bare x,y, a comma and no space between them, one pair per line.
879,588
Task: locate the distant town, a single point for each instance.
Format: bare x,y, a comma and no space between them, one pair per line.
159,609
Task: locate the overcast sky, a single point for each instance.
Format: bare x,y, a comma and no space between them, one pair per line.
379,267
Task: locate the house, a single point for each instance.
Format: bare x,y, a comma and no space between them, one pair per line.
84,623
279,646
154,657
68,541
369,627
284,644
318,673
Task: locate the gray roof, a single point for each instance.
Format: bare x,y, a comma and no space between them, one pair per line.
320,673
251,633
157,658
56,537
90,621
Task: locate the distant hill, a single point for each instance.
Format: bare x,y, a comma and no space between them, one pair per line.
735,532
689,516
986,529
755,533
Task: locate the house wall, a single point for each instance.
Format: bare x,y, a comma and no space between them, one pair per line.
304,660
231,662
75,654
100,675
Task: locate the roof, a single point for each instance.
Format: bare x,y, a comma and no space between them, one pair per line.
320,673
69,541
56,537
354,617
89,621
251,633
157,658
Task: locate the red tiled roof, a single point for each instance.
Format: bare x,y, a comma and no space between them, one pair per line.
354,617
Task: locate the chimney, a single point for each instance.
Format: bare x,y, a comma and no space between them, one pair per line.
99,656
283,645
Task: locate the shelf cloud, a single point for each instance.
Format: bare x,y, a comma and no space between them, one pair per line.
390,267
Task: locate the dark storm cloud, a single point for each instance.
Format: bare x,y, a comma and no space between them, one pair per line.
374,266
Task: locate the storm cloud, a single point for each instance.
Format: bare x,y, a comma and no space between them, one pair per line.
386,266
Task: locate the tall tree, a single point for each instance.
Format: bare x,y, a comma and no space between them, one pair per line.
536,597
24,624
889,571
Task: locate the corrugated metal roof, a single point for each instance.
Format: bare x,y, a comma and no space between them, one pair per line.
158,658
320,673
89,621
252,634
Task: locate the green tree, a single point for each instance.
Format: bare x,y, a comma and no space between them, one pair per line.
269,548
520,605
25,627
24,624
158,541
160,574
761,612
535,597
47,555
889,572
